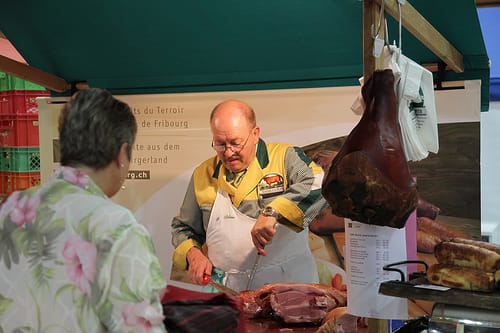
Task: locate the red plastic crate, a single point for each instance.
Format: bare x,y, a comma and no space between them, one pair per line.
20,101
19,130
14,181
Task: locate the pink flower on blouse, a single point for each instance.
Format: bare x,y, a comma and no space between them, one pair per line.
24,210
142,316
81,259
75,176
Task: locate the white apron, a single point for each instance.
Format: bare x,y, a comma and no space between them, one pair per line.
230,249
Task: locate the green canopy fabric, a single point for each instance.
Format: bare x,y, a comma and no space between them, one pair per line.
163,46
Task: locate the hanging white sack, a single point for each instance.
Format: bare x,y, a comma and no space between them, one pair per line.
414,89
417,107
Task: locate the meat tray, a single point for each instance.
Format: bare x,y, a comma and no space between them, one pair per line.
415,289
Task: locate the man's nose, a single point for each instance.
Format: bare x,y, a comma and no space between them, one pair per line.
228,151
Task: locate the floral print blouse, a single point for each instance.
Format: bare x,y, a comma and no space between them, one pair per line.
72,260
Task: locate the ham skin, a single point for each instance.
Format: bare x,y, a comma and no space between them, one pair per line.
369,179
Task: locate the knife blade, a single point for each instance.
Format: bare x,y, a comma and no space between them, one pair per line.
207,280
223,288
256,263
254,269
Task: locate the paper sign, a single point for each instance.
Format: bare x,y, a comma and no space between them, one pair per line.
368,249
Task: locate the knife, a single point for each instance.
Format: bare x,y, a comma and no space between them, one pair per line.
207,280
254,269
256,263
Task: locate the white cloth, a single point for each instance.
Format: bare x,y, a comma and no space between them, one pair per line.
416,104
230,248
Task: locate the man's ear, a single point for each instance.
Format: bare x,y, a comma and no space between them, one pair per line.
256,134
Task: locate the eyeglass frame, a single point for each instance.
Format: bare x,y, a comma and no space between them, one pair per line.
238,147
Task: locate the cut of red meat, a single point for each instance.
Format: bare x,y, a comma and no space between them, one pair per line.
369,180
293,302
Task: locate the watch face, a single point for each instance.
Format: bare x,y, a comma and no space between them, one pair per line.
269,211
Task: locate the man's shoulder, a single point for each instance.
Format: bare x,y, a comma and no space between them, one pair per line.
207,168
278,146
208,165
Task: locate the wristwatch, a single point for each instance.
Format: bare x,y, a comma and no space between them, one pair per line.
270,211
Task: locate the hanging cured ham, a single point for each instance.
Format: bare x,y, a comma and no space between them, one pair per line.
369,180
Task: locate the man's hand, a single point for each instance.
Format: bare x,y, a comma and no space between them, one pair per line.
199,265
263,232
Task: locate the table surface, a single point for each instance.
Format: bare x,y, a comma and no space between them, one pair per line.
331,249
269,325
420,307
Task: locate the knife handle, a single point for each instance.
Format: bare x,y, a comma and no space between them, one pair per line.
206,279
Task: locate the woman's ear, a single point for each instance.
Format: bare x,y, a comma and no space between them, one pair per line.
122,157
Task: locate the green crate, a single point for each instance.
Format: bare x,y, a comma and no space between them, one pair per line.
10,82
20,159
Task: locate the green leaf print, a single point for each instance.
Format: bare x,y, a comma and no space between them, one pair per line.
20,238
105,311
82,228
4,304
156,273
57,191
34,245
83,304
42,275
24,329
9,253
127,294
45,221
146,242
118,232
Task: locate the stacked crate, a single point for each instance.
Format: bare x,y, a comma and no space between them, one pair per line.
19,138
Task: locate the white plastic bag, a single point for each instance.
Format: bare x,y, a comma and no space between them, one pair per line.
417,106
414,89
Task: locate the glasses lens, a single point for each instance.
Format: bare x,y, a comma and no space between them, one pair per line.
234,148
222,148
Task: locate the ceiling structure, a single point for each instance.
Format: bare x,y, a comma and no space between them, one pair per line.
163,46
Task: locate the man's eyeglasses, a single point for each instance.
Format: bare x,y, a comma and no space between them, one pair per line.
235,148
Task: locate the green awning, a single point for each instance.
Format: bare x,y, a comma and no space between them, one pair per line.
164,46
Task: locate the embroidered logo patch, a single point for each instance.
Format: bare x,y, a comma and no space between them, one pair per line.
270,185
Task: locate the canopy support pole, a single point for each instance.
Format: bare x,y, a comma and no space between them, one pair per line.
416,24
33,74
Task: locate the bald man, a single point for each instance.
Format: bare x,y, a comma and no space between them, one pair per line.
252,198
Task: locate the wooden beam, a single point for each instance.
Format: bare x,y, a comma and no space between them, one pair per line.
371,23
34,75
487,3
370,12
419,27
377,325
